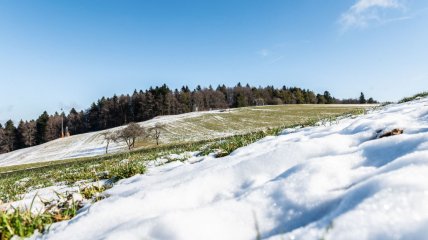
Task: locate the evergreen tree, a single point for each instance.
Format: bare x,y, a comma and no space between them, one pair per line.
240,100
328,98
362,99
92,115
299,96
3,140
20,139
75,122
41,127
10,132
321,99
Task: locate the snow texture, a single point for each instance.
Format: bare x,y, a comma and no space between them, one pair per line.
334,182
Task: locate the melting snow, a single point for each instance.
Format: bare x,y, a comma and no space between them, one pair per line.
334,182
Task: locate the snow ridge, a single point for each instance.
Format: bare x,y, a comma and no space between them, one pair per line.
334,182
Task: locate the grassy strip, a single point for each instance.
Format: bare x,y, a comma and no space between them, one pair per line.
122,155
226,146
408,99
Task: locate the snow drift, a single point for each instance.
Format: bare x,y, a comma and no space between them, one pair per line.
335,182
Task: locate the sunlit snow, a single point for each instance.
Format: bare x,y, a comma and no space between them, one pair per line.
334,182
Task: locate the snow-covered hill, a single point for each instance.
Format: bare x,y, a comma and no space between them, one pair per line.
193,126
336,182
83,145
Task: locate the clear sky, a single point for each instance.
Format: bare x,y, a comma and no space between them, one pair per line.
66,54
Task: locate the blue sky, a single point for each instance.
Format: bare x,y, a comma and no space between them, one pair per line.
66,54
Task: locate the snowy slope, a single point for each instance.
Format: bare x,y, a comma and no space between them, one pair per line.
336,182
193,126
82,145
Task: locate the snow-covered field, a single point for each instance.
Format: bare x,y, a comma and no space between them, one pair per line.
82,145
193,126
334,182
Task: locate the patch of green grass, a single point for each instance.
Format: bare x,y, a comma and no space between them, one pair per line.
408,99
93,192
227,145
23,223
126,169
146,152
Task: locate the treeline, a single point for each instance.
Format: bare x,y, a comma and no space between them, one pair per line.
143,105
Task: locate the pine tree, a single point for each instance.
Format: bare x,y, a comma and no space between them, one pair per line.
328,98
74,122
19,134
10,132
3,140
321,99
362,99
299,96
41,127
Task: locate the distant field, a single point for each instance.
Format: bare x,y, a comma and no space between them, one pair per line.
189,127
248,119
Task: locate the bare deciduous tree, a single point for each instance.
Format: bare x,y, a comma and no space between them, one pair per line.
28,133
53,128
131,133
109,137
156,131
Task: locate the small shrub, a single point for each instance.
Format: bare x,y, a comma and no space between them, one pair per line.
127,169
93,192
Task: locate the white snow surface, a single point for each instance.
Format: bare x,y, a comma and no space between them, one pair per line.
334,182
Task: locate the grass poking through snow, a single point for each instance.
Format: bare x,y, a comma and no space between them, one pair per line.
408,99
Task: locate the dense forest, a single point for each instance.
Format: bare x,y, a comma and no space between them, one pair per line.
143,105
